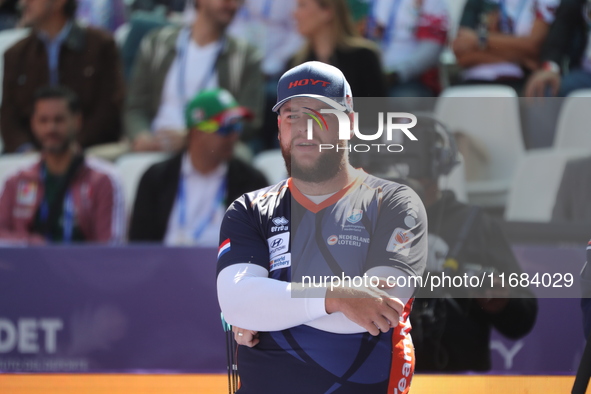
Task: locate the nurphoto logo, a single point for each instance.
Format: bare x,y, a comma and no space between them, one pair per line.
391,123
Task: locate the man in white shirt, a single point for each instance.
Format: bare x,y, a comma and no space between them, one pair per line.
412,35
173,64
182,200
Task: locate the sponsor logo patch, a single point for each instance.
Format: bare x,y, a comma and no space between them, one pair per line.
400,241
280,224
355,216
281,261
332,240
278,244
26,193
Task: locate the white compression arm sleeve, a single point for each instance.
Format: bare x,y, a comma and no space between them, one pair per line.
251,300
338,323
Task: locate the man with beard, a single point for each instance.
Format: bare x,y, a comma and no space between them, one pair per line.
327,221
64,197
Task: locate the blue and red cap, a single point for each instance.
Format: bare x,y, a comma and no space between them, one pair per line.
317,80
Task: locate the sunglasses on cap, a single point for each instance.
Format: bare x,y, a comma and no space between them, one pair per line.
213,126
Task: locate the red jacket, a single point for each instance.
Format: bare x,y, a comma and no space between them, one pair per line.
97,195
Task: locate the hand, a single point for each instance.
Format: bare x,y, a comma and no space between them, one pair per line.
171,140
145,142
371,308
245,337
466,41
540,81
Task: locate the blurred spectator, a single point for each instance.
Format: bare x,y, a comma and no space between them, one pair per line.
451,329
269,26
64,197
8,14
572,200
182,200
105,14
174,63
360,10
412,35
568,38
499,41
332,38
60,51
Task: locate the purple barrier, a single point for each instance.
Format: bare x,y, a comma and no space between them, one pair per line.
97,309
556,343
154,309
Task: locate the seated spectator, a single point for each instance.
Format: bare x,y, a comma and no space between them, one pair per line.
64,197
568,38
572,200
60,51
174,63
412,35
499,41
332,38
182,200
105,14
269,26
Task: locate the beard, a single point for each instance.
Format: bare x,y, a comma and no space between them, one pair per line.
328,164
59,147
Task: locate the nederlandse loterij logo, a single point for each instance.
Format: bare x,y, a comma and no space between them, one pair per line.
391,123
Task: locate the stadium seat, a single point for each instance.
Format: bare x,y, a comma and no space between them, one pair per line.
131,167
489,114
572,130
271,164
10,163
536,182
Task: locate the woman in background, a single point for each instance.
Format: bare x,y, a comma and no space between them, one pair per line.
332,38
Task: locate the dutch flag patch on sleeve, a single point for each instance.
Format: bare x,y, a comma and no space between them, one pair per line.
224,248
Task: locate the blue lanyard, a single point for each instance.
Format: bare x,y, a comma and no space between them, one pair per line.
183,55
68,212
390,31
505,25
181,199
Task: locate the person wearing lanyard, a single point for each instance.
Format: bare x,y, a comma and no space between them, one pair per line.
175,63
499,41
182,200
59,50
64,197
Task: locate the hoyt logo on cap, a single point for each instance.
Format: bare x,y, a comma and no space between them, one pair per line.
304,82
316,80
